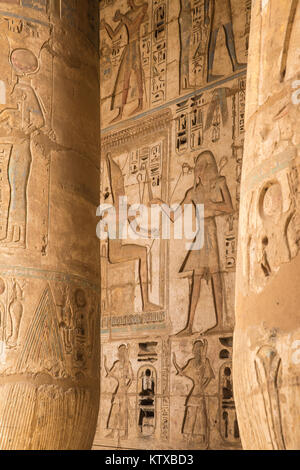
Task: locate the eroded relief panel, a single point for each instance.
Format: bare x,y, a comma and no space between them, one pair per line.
24,112
49,294
153,51
267,286
168,305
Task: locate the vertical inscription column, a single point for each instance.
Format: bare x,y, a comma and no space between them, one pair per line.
49,183
267,337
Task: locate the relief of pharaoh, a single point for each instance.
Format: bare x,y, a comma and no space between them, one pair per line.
203,262
19,122
131,61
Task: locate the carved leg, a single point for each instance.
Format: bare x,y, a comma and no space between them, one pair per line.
144,279
231,47
119,116
211,56
217,290
136,253
139,79
138,108
194,298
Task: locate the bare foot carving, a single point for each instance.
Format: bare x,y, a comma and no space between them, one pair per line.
238,66
117,118
15,236
212,78
186,332
137,109
186,85
150,307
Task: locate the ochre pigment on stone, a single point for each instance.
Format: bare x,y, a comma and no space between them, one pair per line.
49,263
173,76
266,350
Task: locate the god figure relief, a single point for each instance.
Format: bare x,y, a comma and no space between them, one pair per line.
19,122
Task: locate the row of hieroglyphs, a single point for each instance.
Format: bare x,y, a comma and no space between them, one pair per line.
168,50
141,389
164,294
187,58
67,10
139,173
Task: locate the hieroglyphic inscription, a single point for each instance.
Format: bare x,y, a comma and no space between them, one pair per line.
159,52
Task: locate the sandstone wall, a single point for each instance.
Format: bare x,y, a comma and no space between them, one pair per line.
266,362
173,77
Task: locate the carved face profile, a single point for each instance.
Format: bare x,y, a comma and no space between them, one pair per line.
206,168
24,62
122,352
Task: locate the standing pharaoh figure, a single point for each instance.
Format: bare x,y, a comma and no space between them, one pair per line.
204,263
122,372
221,16
199,371
131,60
19,122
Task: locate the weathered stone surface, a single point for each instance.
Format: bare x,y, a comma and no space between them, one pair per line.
49,264
266,356
173,79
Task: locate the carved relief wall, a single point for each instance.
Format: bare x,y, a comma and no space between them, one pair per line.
173,77
267,370
49,283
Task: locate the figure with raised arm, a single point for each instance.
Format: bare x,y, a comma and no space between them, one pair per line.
131,61
199,371
121,371
210,189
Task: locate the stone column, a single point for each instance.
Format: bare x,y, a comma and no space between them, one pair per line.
49,131
267,337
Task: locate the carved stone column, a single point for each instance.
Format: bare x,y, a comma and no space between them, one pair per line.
49,128
267,337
